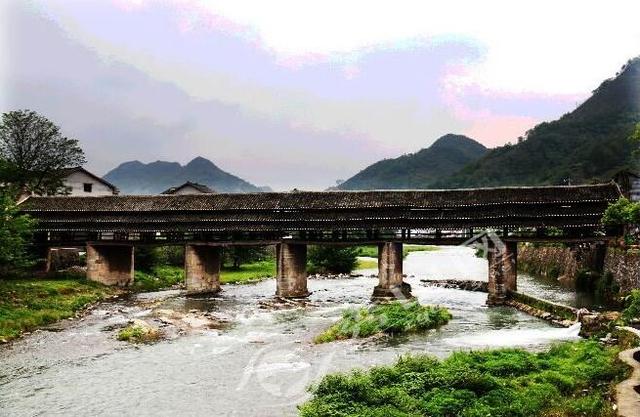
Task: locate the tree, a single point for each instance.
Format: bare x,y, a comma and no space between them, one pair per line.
622,212
635,139
15,230
238,255
33,153
332,259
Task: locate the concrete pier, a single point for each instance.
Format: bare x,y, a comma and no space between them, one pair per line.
291,279
503,271
202,265
390,283
110,264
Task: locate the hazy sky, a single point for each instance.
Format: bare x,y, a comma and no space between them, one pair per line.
299,93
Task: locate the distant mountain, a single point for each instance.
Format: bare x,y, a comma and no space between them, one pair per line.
589,144
444,157
137,178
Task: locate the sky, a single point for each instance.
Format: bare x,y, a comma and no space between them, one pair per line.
301,93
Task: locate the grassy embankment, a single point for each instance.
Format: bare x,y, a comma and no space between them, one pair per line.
26,304
571,379
392,318
372,251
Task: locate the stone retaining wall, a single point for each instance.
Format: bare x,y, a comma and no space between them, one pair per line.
559,262
624,266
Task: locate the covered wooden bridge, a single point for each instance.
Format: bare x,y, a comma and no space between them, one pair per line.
112,226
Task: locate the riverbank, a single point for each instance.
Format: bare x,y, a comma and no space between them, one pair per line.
28,304
570,379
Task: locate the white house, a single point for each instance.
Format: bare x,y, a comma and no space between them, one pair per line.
634,193
189,188
80,182
629,183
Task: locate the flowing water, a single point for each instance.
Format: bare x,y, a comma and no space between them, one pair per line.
261,365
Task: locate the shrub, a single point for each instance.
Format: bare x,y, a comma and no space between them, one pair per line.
332,259
158,278
632,307
622,212
15,230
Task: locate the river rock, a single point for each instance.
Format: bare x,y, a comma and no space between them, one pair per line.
595,323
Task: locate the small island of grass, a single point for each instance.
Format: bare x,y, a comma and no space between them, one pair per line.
391,318
138,332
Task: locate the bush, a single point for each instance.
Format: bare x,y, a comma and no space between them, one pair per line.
392,318
15,230
236,256
332,259
571,379
622,212
632,307
158,278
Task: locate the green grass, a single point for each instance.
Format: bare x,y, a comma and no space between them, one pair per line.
392,318
138,334
159,278
249,272
372,251
569,380
26,304
162,277
367,264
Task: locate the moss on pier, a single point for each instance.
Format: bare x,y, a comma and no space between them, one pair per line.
569,380
392,318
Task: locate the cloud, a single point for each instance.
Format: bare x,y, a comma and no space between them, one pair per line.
291,96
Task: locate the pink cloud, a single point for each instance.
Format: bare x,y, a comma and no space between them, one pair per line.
496,130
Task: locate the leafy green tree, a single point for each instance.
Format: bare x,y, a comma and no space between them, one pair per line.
33,153
239,255
15,231
332,259
622,212
635,139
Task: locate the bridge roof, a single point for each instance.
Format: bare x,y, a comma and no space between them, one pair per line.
527,207
328,200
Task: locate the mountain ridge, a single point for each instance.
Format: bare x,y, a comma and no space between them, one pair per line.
447,155
589,144
135,177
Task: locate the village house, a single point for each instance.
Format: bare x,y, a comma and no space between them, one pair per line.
629,183
80,182
189,188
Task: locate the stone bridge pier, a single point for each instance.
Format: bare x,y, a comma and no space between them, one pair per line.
390,283
202,265
503,271
291,277
110,264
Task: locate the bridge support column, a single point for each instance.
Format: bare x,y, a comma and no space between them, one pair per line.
202,268
390,284
291,280
503,271
110,264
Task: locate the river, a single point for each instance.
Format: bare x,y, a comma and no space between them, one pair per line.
262,364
